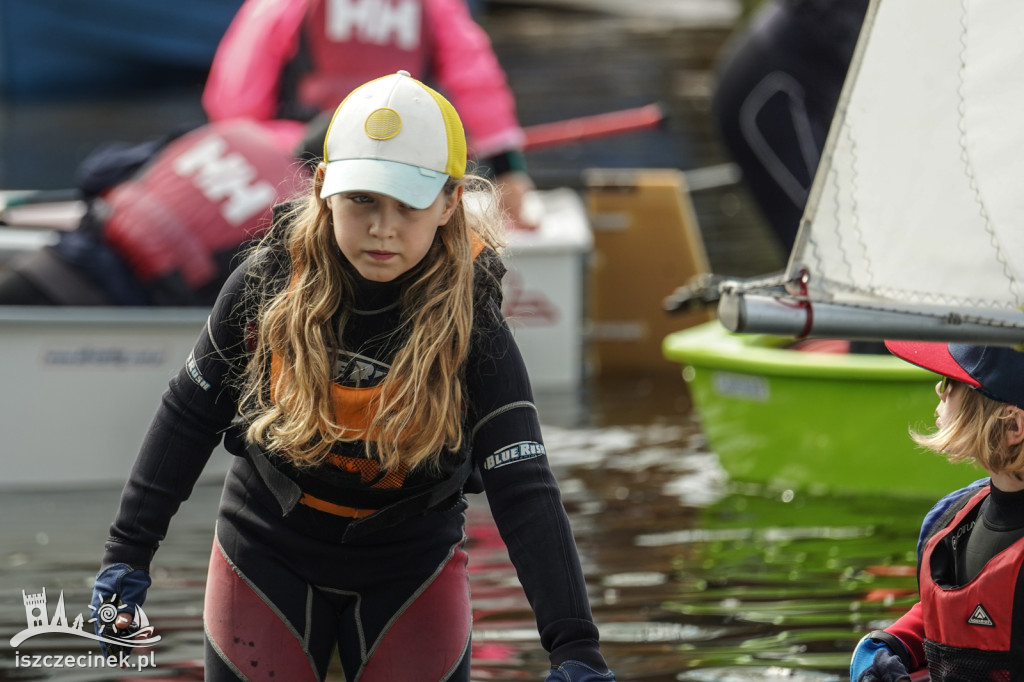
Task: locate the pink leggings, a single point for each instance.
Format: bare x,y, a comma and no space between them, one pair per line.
278,601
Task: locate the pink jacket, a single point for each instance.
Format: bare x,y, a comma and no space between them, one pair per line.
246,75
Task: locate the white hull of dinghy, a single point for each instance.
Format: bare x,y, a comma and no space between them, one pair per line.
81,386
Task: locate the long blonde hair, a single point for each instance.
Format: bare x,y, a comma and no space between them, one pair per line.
977,431
418,412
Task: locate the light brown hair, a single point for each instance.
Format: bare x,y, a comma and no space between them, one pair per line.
977,432
418,413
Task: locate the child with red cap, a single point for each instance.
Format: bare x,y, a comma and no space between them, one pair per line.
969,622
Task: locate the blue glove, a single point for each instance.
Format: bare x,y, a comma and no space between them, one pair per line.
574,671
119,588
873,661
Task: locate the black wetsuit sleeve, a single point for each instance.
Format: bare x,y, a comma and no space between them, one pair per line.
525,501
193,414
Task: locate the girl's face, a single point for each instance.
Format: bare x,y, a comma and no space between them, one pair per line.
951,394
384,238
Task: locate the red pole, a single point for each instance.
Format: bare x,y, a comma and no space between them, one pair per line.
589,127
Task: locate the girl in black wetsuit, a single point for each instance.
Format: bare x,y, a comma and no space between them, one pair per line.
969,624
359,368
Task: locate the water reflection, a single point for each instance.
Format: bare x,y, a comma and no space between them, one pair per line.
693,577
699,578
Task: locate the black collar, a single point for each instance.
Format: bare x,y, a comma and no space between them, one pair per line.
1004,511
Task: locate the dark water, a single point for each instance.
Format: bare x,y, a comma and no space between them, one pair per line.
692,577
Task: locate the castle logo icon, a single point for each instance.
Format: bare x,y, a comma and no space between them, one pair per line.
36,617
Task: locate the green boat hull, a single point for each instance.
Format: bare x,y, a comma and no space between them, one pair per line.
812,420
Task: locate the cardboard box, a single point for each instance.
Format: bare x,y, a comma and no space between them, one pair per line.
646,244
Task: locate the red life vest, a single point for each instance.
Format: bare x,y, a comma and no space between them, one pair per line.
969,629
187,212
345,43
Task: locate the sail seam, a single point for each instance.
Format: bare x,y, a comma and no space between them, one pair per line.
965,156
837,217
912,295
855,206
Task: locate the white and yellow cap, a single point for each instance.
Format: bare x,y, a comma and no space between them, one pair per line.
394,136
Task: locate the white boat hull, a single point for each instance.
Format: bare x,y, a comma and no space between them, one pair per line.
80,389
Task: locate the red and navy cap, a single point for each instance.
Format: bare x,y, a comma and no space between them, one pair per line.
994,371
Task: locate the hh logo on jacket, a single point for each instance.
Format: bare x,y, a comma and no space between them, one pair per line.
224,175
378,22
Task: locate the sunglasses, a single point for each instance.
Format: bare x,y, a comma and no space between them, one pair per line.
945,384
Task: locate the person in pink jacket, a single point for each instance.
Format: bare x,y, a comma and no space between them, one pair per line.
287,61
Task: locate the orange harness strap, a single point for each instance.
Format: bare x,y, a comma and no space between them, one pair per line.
335,509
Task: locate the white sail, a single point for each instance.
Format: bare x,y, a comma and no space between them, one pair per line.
920,195
918,202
